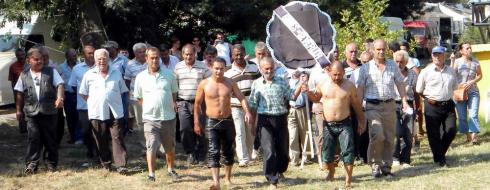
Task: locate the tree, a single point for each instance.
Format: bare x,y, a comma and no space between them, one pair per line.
367,25
404,8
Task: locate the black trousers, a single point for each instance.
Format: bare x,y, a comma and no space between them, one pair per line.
88,138
440,121
106,133
60,126
221,136
274,140
403,141
41,133
70,106
192,143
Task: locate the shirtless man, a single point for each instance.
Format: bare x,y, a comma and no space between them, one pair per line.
337,96
216,91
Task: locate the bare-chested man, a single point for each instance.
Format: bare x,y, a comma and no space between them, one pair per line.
337,96
216,91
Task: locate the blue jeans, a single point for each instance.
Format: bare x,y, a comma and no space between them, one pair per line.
469,109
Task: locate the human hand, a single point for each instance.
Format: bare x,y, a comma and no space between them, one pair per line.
249,119
19,115
58,103
197,130
467,85
361,128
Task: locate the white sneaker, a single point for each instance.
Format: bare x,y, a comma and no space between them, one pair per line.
242,163
396,163
254,154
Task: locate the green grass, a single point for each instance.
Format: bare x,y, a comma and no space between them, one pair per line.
469,170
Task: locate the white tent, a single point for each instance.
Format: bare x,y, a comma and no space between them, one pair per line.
6,94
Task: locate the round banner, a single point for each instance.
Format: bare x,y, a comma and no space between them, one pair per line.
300,35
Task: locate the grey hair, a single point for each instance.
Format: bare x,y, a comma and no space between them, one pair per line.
260,46
99,51
403,54
138,46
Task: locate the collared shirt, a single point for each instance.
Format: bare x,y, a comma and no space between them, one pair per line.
156,92
281,71
57,80
300,101
104,94
437,85
76,78
120,63
413,62
244,79
270,98
348,71
172,62
224,52
133,69
188,79
379,84
410,81
317,77
65,72
15,69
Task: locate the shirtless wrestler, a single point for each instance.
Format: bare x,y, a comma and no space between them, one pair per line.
216,91
337,96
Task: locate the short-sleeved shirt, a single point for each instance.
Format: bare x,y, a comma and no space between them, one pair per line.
246,78
270,98
120,63
437,85
133,69
413,62
410,81
57,80
14,71
172,62
65,72
156,92
466,72
317,77
104,94
282,72
76,78
188,79
379,84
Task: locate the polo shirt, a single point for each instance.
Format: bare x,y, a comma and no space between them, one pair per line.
156,92
104,94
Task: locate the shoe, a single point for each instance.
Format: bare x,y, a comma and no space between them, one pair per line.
122,170
443,164
406,165
79,142
386,171
52,168
173,175
254,154
30,170
376,172
396,163
191,160
242,164
151,178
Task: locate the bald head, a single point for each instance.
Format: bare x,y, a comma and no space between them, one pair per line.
336,72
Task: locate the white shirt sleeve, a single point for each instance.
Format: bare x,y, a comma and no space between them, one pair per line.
19,86
420,82
57,80
84,86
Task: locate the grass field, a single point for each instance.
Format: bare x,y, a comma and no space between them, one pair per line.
468,169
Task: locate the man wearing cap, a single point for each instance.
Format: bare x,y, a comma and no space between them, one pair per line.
375,86
436,84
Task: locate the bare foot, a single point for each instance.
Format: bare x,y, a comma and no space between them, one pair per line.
273,186
347,186
214,187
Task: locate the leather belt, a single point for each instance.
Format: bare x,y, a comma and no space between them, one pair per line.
376,101
439,103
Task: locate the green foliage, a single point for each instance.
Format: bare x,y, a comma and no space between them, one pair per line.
366,25
471,34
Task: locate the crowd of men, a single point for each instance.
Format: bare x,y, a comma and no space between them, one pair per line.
364,107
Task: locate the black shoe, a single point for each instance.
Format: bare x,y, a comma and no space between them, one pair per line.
191,160
29,171
122,171
173,175
443,164
386,171
52,168
376,172
151,178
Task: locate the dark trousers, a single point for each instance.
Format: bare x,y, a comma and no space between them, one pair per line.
361,142
22,122
109,132
403,141
274,140
70,106
41,133
440,121
86,127
125,122
221,135
60,126
192,143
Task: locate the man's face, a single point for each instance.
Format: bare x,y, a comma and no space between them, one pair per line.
220,37
112,51
196,41
124,52
259,54
379,50
139,55
218,69
88,54
351,52
165,54
238,56
21,56
209,57
267,70
36,61
400,62
101,62
153,60
304,77
438,58
71,57
189,56
336,74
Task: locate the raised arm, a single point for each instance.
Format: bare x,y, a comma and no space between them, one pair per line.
316,95
197,106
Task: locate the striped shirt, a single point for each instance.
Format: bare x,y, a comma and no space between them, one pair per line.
244,79
410,81
379,84
189,78
132,70
270,98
